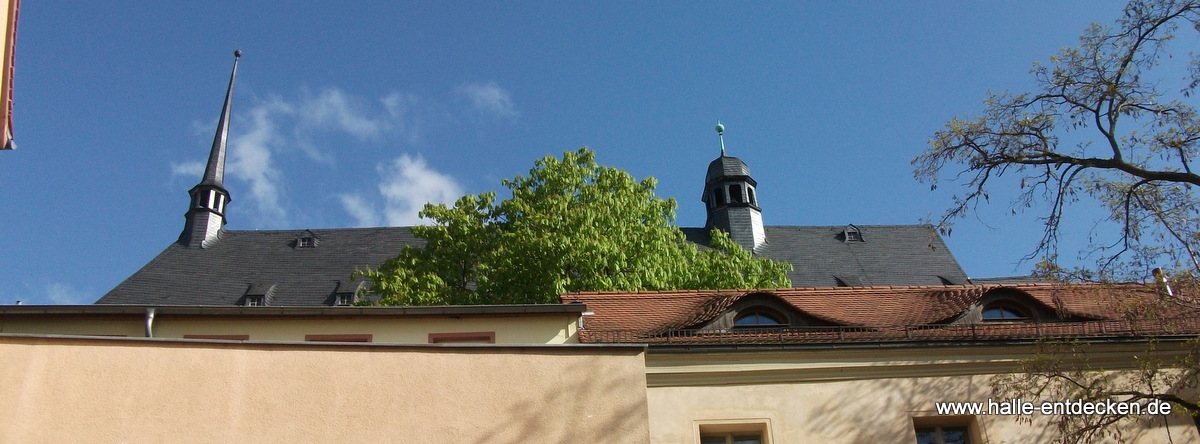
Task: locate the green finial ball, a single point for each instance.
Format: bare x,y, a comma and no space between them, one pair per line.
720,128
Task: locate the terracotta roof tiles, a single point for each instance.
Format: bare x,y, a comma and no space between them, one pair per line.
868,313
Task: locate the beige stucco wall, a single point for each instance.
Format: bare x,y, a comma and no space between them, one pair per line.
511,329
138,390
108,325
847,396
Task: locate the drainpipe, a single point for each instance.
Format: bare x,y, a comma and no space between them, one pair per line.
1164,286
150,322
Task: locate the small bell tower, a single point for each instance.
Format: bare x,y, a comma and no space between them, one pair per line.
206,210
731,200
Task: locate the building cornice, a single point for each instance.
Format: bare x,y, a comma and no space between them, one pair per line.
700,366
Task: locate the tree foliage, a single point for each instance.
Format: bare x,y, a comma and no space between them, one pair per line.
570,225
1100,125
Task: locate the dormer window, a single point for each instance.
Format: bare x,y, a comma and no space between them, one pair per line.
1002,312
851,234
758,319
259,295
306,239
346,293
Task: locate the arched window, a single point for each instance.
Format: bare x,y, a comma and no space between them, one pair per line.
735,193
758,318
719,196
1004,312
750,192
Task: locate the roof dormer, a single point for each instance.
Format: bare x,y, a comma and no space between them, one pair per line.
306,239
851,233
258,295
760,311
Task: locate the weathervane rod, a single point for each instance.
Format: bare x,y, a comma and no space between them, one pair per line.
721,135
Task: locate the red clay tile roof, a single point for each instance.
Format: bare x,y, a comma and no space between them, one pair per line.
864,313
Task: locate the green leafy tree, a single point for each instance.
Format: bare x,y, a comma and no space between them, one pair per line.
571,225
1103,125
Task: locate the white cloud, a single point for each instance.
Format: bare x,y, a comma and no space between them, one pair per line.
187,169
63,294
399,109
249,159
272,129
334,110
489,98
362,211
267,134
406,184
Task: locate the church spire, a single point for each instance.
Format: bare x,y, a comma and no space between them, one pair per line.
730,200
206,213
214,172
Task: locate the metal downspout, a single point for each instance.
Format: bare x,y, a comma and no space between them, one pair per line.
150,322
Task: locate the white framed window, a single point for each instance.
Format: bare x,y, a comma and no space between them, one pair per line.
254,301
734,431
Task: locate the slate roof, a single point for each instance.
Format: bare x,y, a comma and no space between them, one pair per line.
726,166
887,255
242,262
869,313
273,264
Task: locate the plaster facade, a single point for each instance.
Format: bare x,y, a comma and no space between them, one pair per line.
855,395
70,389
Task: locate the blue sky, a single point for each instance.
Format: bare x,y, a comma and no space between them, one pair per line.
355,113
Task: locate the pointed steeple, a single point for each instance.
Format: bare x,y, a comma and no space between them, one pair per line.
730,200
214,172
206,213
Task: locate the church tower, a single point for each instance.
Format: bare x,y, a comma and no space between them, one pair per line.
731,201
206,212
